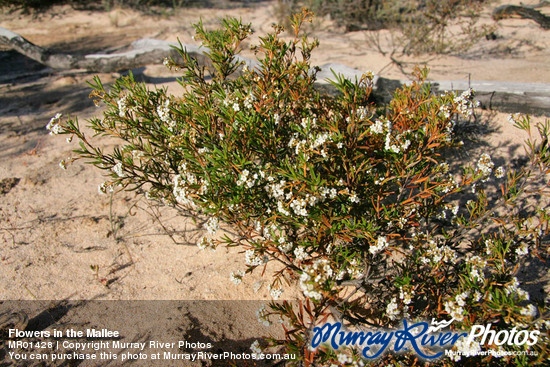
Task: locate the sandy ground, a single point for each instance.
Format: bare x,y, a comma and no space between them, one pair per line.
56,231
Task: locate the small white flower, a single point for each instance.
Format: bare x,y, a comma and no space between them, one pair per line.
377,128
465,349
253,259
529,310
477,264
455,209
54,125
275,292
500,172
212,225
522,294
405,296
344,358
236,276
392,310
354,199
122,106
206,243
300,253
381,244
513,118
485,164
263,316
255,347
117,168
63,164
522,250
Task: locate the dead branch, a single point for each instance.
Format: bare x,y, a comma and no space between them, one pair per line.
508,11
141,52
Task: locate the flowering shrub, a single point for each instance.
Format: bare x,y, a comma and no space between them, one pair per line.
359,204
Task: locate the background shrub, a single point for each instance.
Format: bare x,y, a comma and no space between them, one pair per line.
107,5
421,26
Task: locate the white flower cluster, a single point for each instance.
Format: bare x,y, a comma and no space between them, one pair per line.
284,245
399,143
529,310
181,192
212,225
465,349
253,259
378,127
117,168
275,292
54,126
247,102
445,111
466,103
362,113
455,308
122,106
206,243
392,309
236,276
276,190
405,296
326,192
310,143
354,198
246,179
255,347
355,269
314,276
298,205
513,288
381,244
300,254
485,165
522,250
263,316
164,114
476,265
182,186
500,172
344,358
235,103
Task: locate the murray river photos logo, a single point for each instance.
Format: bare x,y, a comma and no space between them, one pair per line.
423,338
